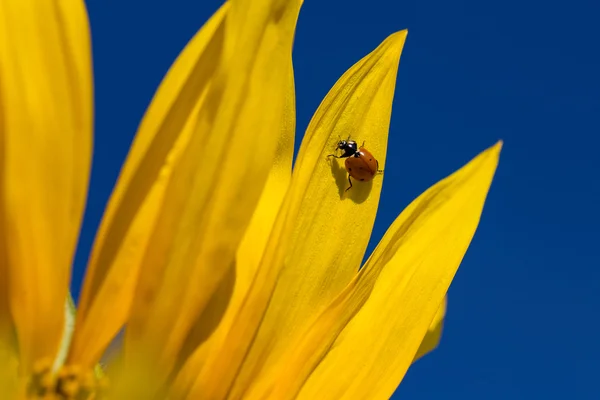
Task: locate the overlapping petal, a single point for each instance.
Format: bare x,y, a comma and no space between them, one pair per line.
215,186
250,251
137,199
434,332
384,313
46,143
311,254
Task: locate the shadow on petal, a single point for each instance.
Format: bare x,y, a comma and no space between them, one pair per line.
360,190
210,319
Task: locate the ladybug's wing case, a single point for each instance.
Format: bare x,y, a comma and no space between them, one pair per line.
370,161
359,169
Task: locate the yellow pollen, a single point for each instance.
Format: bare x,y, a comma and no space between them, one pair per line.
70,382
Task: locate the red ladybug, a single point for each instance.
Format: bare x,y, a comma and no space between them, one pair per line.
360,163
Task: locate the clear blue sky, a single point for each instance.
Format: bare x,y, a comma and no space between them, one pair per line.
523,309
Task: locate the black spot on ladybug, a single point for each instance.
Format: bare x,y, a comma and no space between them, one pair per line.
362,179
370,159
349,169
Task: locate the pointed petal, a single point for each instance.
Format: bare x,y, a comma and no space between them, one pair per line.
136,201
363,343
216,184
434,332
46,125
312,255
251,248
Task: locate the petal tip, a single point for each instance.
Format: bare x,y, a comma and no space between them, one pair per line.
496,149
391,48
493,152
398,38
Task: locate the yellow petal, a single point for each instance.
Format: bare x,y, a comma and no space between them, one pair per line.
251,248
8,346
434,332
365,340
216,185
133,208
313,253
46,128
9,365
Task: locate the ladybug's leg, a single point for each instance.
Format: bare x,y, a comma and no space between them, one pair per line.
363,145
378,170
333,155
349,180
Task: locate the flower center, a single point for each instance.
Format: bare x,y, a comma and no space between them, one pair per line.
70,382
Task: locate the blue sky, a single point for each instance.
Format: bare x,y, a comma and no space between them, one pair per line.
523,308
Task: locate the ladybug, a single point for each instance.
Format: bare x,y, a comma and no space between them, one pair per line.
360,163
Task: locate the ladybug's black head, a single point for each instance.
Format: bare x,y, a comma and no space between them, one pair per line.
349,147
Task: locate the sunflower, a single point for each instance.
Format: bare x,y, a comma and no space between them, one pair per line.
231,275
